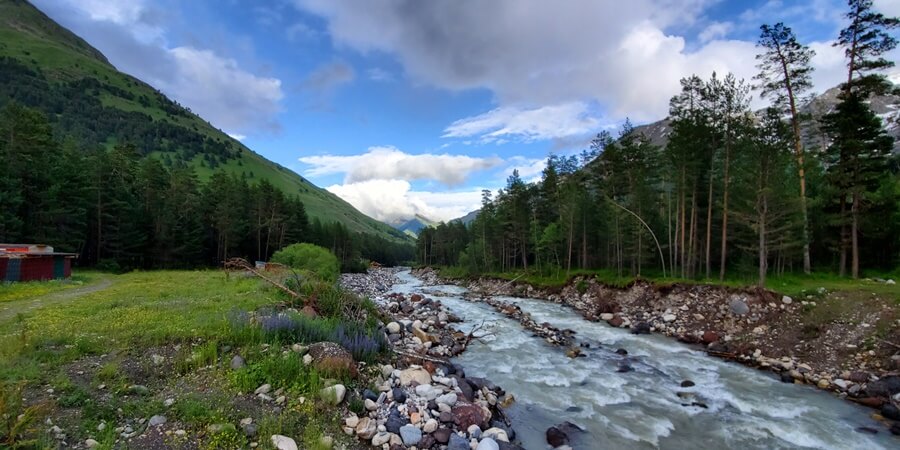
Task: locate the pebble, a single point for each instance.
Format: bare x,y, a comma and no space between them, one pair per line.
90,443
488,444
410,435
283,442
264,389
334,394
430,426
381,438
157,420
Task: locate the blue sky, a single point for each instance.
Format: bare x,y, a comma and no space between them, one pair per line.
405,107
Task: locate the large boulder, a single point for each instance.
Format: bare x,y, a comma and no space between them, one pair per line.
884,387
419,375
331,358
467,414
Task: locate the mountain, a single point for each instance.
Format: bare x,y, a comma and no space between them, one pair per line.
468,218
886,106
45,66
413,226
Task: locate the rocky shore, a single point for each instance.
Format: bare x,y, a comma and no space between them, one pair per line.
424,401
755,327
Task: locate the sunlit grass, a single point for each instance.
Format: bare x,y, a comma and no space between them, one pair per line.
14,291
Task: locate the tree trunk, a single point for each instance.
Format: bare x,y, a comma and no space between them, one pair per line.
709,211
725,212
854,236
801,170
692,244
843,262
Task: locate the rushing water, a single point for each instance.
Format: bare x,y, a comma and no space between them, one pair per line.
745,408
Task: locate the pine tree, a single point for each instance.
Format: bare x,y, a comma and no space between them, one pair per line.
864,41
784,75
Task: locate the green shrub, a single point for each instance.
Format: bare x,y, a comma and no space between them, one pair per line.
309,257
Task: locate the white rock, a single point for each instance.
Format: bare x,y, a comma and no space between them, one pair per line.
607,316
264,389
180,433
157,359
283,442
352,421
843,384
381,438
334,394
418,375
169,402
427,391
786,300
497,434
393,328
669,317
90,443
430,426
370,405
447,399
890,282
307,359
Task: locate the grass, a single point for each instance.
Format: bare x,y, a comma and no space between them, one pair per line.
10,292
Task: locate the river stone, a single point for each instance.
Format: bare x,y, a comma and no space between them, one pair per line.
399,395
641,328
669,317
556,438
442,435
264,389
458,442
738,307
419,375
890,411
467,414
283,442
410,435
366,428
496,434
157,420
427,391
884,387
395,421
381,438
334,394
607,316
786,300
332,358
488,444
90,443
393,328
430,426
447,399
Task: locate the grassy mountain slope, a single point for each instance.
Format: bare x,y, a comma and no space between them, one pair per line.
49,68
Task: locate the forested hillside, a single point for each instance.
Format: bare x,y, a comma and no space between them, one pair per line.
715,190
80,139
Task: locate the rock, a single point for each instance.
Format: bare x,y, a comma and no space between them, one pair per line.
641,328
427,391
422,335
841,383
669,317
283,442
415,298
157,420
616,322
370,405
556,438
169,402
250,430
687,383
738,307
709,337
467,414
606,317
410,435
866,430
264,389
457,442
399,395
351,421
157,359
419,375
393,328
237,362
180,433
884,387
488,444
334,394
823,383
381,438
447,399
299,348
329,357
90,443
395,421
890,281
430,426
307,359
442,435
890,411
497,434
366,428
474,431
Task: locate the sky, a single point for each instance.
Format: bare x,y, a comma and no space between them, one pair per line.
406,107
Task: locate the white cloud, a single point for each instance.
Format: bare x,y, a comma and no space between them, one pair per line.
715,30
379,74
530,169
889,8
389,163
217,89
548,122
393,201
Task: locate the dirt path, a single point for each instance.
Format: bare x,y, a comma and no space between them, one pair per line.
10,310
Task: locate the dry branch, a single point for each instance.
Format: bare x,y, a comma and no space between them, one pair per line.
242,264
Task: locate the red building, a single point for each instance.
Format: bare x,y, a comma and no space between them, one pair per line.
29,262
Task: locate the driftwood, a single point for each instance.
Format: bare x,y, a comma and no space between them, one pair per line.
242,264
491,294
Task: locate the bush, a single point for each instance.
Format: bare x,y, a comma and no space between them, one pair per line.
309,257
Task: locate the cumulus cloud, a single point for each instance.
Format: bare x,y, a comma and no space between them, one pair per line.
548,122
715,30
394,201
389,163
132,36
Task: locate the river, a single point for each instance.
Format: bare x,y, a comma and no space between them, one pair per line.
729,406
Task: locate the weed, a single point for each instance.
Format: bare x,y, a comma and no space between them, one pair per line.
18,423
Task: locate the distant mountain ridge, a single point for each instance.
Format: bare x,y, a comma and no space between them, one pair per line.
413,226
885,106
47,67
